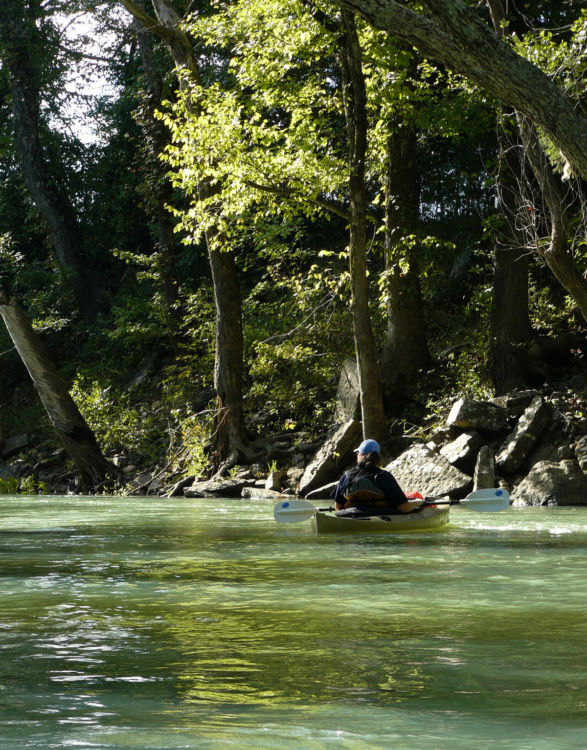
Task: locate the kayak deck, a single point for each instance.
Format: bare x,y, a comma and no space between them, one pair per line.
429,518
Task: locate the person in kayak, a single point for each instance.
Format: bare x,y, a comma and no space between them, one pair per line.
369,490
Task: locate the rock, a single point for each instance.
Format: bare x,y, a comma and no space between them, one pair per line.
484,474
15,444
332,458
550,483
462,452
322,493
273,481
260,493
556,441
216,488
305,447
515,403
468,414
5,471
440,437
348,397
178,487
581,452
420,470
294,474
524,436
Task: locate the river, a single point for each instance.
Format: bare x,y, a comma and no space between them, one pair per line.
173,623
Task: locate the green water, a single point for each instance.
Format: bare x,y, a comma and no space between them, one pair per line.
148,623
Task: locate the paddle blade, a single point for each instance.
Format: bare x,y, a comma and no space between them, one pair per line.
293,511
487,501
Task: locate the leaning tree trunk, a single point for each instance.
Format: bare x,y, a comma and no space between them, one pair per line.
354,99
71,428
405,350
454,34
558,252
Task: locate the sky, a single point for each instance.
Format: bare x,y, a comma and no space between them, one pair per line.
88,80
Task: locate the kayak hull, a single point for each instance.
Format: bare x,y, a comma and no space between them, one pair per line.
429,518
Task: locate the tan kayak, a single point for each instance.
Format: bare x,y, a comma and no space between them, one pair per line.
429,518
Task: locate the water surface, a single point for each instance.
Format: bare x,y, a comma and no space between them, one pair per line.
151,623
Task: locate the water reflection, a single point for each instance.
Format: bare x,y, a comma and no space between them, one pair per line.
175,625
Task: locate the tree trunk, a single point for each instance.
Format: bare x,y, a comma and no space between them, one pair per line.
510,320
229,435
21,50
228,367
71,428
406,350
454,34
354,99
160,191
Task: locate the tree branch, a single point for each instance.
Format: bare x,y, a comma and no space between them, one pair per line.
453,34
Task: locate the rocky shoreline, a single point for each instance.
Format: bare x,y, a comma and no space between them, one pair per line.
522,442
525,442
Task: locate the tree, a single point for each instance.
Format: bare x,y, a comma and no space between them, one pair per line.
23,36
229,436
453,34
71,428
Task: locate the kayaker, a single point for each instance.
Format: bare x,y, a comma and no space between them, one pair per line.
370,490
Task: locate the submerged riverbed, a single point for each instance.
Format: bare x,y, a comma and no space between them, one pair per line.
156,624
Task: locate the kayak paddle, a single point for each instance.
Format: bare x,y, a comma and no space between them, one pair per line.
483,501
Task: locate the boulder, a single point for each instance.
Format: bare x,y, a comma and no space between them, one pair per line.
484,474
260,493
178,488
556,441
550,483
216,488
15,444
515,403
274,480
421,470
5,471
348,396
332,458
524,436
462,452
468,414
322,493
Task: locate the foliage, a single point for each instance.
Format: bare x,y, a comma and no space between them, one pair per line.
258,162
118,423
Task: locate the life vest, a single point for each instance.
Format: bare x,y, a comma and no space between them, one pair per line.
362,489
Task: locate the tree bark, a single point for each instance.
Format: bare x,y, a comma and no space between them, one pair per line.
228,367
21,48
355,100
71,428
405,350
453,34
